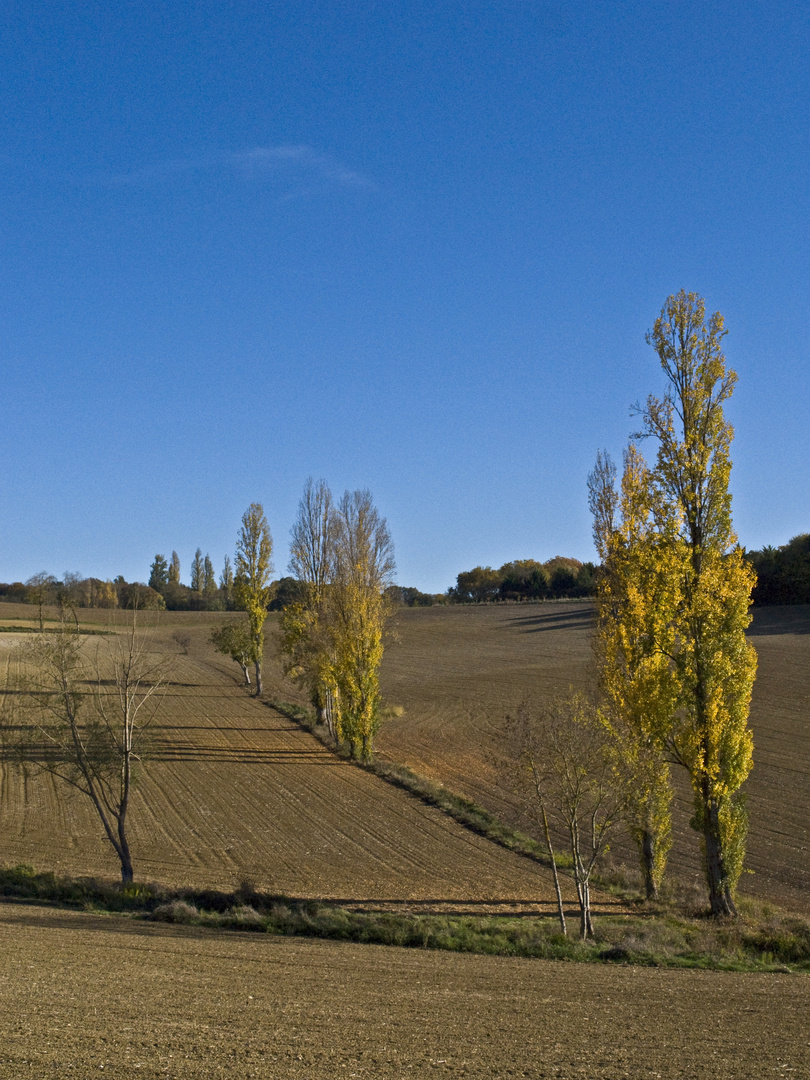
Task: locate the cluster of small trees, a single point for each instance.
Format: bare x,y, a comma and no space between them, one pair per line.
81,710
524,579
205,592
334,608
74,591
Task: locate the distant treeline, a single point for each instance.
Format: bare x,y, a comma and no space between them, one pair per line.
525,579
783,577
783,573
73,591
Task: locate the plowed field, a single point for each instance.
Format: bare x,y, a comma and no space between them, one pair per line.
458,670
232,790
84,995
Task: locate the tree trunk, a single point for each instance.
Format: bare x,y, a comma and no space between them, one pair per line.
720,897
329,713
247,674
124,855
585,924
648,864
123,806
258,667
557,889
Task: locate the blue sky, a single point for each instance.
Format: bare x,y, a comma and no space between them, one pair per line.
404,246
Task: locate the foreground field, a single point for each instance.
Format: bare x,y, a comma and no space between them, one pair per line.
457,671
81,994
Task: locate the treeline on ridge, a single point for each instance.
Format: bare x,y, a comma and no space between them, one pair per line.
522,579
525,579
783,577
783,573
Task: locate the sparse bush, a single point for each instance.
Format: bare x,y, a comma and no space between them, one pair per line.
176,911
245,915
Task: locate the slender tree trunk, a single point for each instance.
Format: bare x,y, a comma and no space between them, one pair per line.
246,674
329,712
581,882
648,864
586,926
123,806
124,853
117,837
258,667
720,897
557,889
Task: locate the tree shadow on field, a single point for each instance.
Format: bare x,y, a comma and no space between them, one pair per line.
230,728
37,917
780,619
577,619
234,755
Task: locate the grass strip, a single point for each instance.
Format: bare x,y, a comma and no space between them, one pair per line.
49,630
759,941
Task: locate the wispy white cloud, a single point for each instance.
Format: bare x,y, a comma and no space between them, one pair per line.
268,160
301,169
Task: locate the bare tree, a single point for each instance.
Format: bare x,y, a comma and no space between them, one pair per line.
532,781
312,539
83,718
40,591
570,773
68,594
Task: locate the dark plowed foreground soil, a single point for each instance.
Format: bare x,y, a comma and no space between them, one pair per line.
84,995
457,671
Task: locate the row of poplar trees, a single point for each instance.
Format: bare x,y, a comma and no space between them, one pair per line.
675,667
331,637
342,555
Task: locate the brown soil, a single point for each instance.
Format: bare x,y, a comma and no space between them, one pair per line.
84,995
234,791
457,671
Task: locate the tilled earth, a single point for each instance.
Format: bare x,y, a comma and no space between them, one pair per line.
458,671
232,790
88,995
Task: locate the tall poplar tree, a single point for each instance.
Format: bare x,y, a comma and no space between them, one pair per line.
226,578
159,573
714,664
197,572
637,591
209,586
254,546
305,639
364,566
